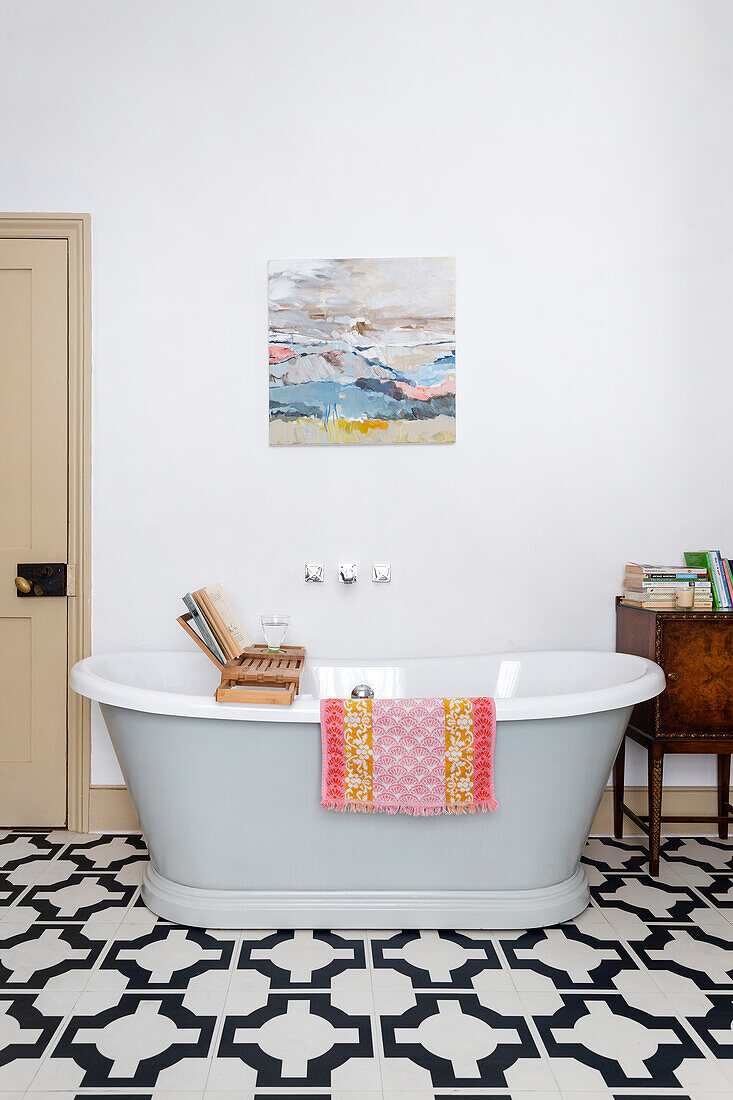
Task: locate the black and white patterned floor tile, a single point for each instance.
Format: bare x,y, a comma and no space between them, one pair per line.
685,957
448,1040
19,847
296,1040
48,956
302,959
714,1025
98,996
433,960
705,852
167,957
566,958
109,852
28,1023
78,897
651,900
608,1039
719,892
9,892
607,854
133,1040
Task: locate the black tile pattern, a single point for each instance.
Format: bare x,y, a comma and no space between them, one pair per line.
84,1042
22,847
337,952
628,1046
9,891
720,892
607,854
579,960
32,959
704,958
715,856
26,1031
596,1015
110,852
351,1038
481,1054
455,967
649,899
79,897
715,1028
169,957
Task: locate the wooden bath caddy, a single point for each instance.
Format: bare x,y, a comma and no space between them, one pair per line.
257,675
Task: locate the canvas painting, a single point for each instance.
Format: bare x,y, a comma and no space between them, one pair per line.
362,351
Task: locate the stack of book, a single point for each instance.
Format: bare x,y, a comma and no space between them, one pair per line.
213,619
655,587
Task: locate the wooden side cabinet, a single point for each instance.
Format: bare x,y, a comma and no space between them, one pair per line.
693,715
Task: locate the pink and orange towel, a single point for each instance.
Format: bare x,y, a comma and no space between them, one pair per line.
412,756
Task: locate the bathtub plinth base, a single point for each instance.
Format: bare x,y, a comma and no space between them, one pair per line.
485,909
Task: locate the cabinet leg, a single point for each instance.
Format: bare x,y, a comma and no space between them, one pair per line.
656,757
723,792
618,790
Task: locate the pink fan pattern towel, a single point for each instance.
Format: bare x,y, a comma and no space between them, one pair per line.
413,756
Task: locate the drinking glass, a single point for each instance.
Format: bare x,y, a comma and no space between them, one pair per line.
275,628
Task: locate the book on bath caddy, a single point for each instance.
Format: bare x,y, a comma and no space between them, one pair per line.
213,619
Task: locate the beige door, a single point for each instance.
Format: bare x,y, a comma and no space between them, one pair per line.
33,528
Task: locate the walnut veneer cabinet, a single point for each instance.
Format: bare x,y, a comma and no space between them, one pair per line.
693,715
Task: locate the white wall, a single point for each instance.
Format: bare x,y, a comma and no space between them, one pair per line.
575,157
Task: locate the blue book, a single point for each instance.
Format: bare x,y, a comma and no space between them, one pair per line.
203,628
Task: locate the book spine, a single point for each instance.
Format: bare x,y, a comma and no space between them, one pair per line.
659,582
720,596
665,571
645,605
203,628
725,569
701,575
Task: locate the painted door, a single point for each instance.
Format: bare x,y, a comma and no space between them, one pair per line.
33,528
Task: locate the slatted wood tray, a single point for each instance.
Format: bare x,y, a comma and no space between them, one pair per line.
258,676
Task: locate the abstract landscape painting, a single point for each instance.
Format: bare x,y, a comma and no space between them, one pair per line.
362,351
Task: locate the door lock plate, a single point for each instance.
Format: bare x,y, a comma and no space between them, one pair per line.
44,579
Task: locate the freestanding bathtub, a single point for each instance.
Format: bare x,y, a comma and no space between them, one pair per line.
228,794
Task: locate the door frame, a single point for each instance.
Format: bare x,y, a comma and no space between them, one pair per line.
75,229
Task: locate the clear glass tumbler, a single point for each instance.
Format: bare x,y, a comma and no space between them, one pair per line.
274,627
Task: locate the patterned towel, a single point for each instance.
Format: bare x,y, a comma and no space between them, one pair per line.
410,756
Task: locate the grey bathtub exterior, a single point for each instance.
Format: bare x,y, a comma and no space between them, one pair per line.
230,811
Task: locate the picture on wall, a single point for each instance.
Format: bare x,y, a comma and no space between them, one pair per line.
362,351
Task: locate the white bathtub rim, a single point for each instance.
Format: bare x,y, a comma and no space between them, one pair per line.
648,683
377,909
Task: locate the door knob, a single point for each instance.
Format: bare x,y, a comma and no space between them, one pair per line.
41,579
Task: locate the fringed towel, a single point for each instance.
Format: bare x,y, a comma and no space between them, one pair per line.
410,756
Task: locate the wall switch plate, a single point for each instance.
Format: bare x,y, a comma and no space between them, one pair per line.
314,572
382,573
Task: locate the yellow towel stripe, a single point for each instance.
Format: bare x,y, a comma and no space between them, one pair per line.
358,749
458,750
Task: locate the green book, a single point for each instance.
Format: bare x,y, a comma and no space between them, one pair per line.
699,559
